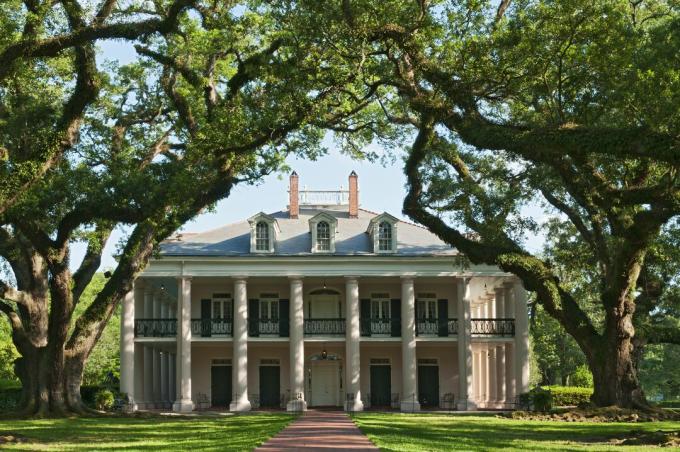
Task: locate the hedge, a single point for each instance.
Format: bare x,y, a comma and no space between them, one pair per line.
11,396
569,395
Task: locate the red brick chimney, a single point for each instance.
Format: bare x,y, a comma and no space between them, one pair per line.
294,203
353,195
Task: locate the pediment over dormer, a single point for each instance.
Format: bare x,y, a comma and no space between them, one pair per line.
323,227
264,231
383,232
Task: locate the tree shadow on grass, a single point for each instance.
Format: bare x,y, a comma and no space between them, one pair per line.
436,432
227,433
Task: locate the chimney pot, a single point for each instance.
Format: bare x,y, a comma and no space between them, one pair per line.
353,195
294,201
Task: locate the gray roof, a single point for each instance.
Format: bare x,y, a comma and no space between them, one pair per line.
294,238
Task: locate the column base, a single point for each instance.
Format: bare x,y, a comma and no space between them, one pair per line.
296,405
240,406
183,406
466,405
131,406
354,405
409,406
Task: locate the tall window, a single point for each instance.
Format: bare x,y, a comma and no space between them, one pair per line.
384,236
323,236
262,236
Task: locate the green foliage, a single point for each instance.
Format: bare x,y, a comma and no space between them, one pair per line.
660,372
557,354
582,377
10,396
103,399
538,399
569,395
8,352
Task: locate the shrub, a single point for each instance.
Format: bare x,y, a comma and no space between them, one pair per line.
104,399
9,399
542,399
582,377
570,395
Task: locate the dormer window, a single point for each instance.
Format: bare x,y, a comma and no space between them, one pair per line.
383,232
384,236
323,236
263,232
262,236
323,227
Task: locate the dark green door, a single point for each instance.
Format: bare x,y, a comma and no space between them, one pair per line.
270,380
428,385
381,386
220,378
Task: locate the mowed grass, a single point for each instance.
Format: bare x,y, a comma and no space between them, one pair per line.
159,433
431,432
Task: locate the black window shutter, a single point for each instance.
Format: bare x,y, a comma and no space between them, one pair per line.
365,316
395,314
443,316
284,318
206,314
253,317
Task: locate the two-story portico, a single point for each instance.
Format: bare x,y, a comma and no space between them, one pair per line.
323,304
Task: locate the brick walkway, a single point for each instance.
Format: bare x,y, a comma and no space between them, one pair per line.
322,431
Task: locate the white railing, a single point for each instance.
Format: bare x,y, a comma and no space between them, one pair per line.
324,197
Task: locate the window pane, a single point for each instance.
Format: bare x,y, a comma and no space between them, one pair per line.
420,309
385,236
323,236
216,312
375,309
262,236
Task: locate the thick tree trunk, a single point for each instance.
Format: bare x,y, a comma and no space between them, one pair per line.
613,365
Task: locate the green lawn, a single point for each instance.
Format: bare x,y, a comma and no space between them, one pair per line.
409,432
242,432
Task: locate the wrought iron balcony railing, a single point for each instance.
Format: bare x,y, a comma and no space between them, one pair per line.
383,326
155,327
266,327
436,327
493,327
324,327
211,327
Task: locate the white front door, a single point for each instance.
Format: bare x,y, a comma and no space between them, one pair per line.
325,384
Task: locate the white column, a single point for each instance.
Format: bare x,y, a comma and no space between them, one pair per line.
172,384
510,394
165,396
148,353
297,347
500,303
491,382
183,403
127,348
239,368
521,355
509,307
475,376
409,369
157,371
500,374
465,359
352,345
483,375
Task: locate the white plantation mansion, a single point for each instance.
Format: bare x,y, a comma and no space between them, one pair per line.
322,304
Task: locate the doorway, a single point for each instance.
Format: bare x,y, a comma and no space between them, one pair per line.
381,386
220,385
325,384
270,386
428,385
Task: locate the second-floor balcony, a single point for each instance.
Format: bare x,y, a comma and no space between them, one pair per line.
441,327
267,327
324,327
155,328
211,327
381,326
493,327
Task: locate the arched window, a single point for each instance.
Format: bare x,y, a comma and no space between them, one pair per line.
262,236
323,236
384,236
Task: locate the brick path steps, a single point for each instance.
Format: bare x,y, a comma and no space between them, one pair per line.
320,431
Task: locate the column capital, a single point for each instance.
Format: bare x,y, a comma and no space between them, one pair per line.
240,278
407,278
183,278
295,278
349,279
